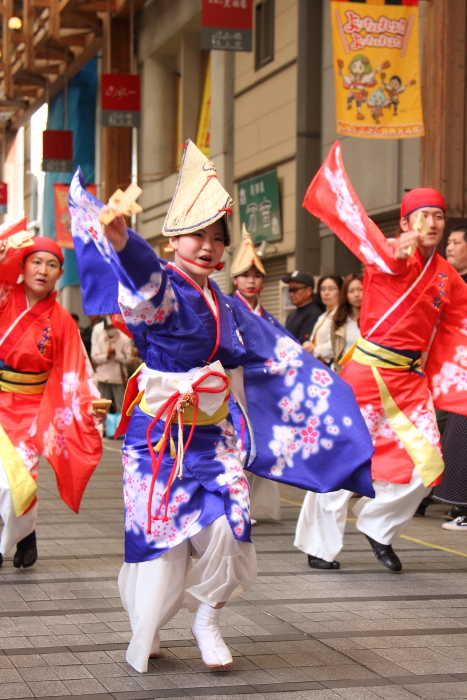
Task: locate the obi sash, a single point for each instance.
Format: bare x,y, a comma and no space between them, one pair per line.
156,387
425,456
15,382
198,397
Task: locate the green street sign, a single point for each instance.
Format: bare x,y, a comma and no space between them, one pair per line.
259,207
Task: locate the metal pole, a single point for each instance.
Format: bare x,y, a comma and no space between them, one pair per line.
132,36
65,100
109,41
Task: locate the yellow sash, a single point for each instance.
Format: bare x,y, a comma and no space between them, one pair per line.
23,382
188,414
22,486
426,458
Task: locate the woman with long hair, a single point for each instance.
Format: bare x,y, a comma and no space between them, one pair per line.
320,345
345,329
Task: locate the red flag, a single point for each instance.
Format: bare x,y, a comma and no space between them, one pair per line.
331,198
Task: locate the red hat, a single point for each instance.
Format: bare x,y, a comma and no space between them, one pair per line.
421,197
42,244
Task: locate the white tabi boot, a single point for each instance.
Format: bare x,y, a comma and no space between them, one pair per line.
206,631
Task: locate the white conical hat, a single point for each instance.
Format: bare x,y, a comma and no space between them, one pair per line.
199,199
246,256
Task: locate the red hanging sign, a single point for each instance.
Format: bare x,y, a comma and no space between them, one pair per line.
3,197
227,25
57,151
121,99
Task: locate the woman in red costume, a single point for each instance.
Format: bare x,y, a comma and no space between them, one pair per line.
46,391
411,357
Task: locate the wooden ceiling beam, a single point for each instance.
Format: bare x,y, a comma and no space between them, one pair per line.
73,68
29,18
7,77
54,20
74,40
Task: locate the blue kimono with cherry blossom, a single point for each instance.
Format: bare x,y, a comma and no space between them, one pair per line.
309,431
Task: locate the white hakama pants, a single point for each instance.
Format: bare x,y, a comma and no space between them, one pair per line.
321,524
152,592
14,529
265,500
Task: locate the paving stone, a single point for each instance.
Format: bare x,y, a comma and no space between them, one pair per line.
15,690
359,633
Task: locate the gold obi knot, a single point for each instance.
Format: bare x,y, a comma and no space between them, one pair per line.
15,382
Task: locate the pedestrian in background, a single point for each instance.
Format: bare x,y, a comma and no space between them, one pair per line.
111,354
301,322
345,329
320,344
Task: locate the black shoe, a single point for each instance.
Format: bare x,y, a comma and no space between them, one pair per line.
385,555
26,552
421,510
317,563
455,512
1,559
427,501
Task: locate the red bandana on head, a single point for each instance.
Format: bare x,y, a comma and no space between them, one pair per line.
419,198
43,244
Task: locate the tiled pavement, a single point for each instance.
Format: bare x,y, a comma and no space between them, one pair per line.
360,633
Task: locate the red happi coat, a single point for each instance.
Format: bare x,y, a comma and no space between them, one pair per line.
408,305
56,423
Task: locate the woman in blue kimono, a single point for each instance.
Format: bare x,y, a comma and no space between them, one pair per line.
186,495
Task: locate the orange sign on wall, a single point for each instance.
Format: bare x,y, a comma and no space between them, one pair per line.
62,214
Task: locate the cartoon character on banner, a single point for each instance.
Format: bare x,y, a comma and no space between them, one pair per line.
362,76
376,102
394,89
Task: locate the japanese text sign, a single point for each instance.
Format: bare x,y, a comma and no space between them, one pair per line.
376,68
57,151
259,207
227,25
121,99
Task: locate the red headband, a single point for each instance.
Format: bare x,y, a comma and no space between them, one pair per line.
419,198
42,244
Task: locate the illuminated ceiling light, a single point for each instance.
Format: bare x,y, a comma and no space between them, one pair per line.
15,23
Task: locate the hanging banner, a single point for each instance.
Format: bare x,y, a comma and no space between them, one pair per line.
57,151
3,197
203,136
376,68
121,100
62,213
227,25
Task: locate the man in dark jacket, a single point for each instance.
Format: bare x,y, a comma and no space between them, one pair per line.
300,323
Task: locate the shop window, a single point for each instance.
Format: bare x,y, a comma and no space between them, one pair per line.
264,33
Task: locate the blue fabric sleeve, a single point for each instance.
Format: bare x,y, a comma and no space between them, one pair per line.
145,294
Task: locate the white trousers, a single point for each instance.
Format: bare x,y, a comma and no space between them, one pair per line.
14,529
321,524
152,592
265,500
